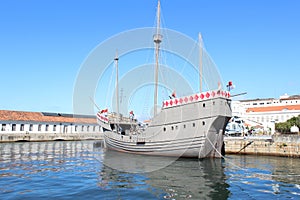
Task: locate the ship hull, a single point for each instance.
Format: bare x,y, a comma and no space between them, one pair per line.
194,130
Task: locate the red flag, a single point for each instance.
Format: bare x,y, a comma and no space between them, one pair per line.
103,111
174,94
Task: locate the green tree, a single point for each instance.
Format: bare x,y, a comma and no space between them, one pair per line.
284,127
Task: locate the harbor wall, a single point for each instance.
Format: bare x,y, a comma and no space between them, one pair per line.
283,145
39,137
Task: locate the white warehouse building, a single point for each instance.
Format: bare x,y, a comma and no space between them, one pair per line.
43,122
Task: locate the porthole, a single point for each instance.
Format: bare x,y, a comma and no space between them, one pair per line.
194,124
165,129
203,123
172,128
184,126
203,105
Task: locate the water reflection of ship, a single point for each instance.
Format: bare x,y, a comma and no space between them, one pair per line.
180,179
192,179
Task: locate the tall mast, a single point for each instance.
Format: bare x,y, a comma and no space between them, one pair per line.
117,82
157,40
200,62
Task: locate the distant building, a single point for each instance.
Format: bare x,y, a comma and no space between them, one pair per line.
43,122
267,112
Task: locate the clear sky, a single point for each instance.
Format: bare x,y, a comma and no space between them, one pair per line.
254,43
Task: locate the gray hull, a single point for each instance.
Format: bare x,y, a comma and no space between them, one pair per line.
194,129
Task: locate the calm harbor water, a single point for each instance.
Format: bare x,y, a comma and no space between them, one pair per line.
85,170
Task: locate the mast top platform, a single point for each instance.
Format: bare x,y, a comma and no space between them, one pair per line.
157,38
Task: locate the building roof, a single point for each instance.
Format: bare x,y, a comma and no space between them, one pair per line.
293,97
8,115
250,100
297,96
274,108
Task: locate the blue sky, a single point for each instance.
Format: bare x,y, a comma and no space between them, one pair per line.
254,43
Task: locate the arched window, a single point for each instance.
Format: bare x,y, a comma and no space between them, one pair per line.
14,126
22,127
40,127
30,127
3,127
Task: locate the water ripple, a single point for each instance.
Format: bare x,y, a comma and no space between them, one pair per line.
68,170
